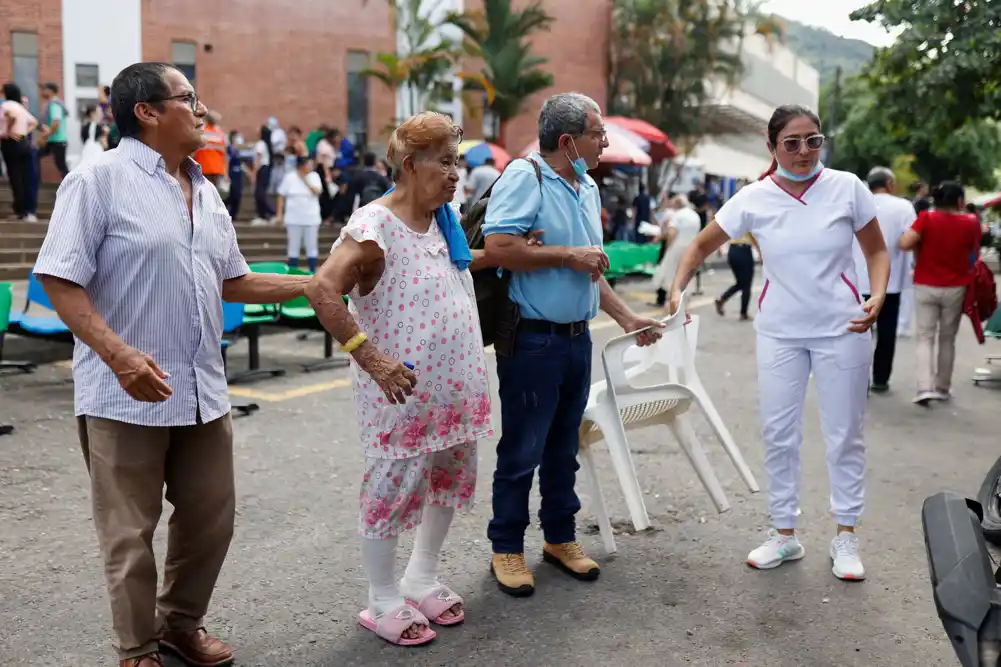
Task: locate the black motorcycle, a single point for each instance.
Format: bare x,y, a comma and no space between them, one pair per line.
990,499
966,587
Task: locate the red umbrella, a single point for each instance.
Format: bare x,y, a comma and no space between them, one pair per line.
620,150
661,147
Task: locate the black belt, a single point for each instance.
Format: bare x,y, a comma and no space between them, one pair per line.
545,327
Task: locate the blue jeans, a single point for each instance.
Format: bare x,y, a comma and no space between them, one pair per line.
544,387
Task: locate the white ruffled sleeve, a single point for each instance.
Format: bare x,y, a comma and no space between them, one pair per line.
368,223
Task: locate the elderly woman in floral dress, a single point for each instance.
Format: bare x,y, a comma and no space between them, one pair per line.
419,373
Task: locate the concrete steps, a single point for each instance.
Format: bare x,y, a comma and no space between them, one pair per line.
20,242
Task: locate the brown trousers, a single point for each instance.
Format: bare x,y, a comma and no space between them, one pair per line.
129,466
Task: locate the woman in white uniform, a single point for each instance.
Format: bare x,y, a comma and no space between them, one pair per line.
681,226
811,319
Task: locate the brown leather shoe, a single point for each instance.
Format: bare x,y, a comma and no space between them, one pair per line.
197,648
512,575
570,558
148,660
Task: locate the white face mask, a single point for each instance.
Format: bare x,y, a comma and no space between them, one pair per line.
238,140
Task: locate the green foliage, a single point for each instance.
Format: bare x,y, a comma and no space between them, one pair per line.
665,56
866,135
500,36
945,66
826,51
423,61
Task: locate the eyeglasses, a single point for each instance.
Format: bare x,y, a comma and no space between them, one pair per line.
191,98
794,144
600,133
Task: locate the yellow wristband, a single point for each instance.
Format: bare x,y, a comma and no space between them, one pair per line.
354,343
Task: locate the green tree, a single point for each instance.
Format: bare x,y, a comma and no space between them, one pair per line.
423,63
945,66
867,134
511,73
666,58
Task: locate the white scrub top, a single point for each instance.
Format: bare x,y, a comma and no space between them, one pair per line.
810,288
896,216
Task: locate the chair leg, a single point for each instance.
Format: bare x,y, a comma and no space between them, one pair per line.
723,433
598,506
6,429
618,447
254,370
329,360
685,434
245,409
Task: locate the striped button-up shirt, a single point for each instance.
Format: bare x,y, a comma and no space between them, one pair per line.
121,230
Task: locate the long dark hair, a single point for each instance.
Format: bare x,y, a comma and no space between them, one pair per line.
780,118
266,138
12,92
948,194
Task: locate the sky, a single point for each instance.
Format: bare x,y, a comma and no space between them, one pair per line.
832,15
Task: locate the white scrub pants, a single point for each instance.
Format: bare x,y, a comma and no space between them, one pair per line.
299,235
840,367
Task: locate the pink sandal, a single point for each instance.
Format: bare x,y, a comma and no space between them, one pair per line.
437,602
391,625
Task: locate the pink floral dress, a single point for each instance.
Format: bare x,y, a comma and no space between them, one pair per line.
422,311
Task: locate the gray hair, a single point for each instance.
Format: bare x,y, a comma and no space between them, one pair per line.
879,177
564,113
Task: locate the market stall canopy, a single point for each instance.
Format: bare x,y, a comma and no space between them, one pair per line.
988,200
477,151
622,149
661,147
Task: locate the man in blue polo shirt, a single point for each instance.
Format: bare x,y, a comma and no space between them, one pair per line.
545,376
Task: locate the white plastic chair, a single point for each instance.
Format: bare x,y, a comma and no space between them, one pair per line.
616,405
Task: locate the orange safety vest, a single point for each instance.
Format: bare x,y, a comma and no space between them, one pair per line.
212,157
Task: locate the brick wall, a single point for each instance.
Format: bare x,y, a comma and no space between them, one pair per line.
286,58
44,18
576,47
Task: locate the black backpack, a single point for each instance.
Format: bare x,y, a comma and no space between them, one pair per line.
498,314
374,188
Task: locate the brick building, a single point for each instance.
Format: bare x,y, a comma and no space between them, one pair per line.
249,59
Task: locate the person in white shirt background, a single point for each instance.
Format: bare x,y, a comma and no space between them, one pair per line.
681,226
811,318
896,215
299,208
459,201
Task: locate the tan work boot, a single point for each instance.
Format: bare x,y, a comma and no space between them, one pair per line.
570,558
512,575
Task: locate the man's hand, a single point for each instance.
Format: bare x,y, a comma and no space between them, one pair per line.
588,260
675,303
396,380
649,337
140,377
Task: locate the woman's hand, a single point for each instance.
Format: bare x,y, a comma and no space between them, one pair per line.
396,380
871,308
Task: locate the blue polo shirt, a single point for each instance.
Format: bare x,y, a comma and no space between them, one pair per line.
568,217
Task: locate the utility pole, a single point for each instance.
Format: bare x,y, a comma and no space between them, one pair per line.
835,112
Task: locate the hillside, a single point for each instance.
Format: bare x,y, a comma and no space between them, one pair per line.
826,51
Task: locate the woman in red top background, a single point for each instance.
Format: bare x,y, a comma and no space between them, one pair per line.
946,241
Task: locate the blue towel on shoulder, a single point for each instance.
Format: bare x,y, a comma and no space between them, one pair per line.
455,237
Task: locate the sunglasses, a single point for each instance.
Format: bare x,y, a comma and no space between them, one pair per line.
190,98
794,144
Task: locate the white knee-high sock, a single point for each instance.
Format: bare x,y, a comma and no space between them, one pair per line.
379,558
422,571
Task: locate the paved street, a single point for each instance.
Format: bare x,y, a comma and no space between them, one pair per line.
679,594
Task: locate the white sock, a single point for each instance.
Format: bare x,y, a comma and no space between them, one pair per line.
379,559
422,571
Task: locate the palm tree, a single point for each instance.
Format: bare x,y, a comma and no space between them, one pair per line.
666,56
499,36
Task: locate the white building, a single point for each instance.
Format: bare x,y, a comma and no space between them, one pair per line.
735,147
96,46
410,102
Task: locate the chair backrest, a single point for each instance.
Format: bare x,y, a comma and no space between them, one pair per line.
674,350
36,293
6,301
232,316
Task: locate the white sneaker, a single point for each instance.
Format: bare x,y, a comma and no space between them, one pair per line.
925,397
845,555
776,550
943,395
30,218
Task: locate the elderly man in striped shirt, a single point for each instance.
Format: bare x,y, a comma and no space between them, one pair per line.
139,254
